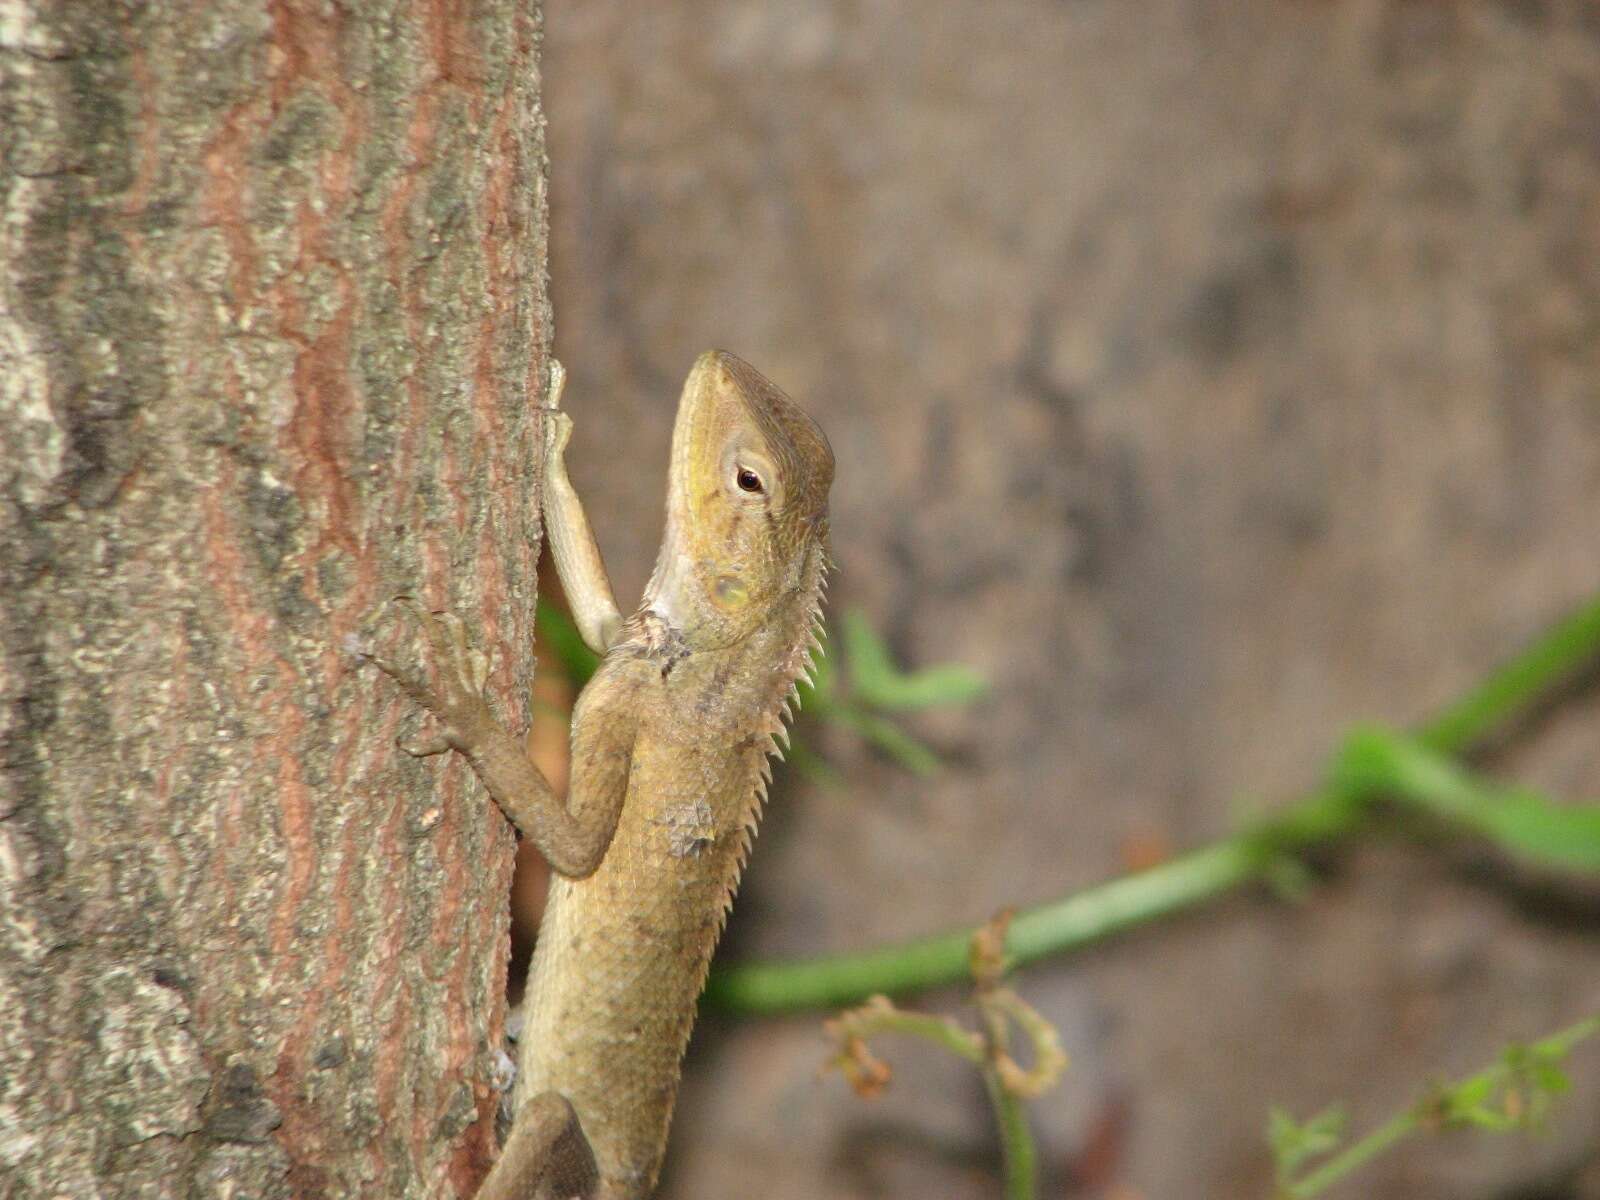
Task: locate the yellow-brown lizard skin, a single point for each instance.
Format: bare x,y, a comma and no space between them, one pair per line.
670,746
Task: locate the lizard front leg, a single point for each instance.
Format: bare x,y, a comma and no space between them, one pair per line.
573,835
572,544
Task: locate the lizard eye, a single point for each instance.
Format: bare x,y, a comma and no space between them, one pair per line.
748,480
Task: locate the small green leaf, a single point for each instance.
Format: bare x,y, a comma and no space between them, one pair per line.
878,682
1471,1093
1326,1128
1551,1080
1280,1128
1483,1118
888,737
1293,1144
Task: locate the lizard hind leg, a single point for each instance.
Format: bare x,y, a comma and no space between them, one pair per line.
546,1157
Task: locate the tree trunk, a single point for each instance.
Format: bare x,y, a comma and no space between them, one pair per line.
272,323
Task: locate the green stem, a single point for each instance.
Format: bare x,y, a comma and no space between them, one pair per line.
1081,919
1069,923
1356,1156
1550,660
1426,1114
1017,1152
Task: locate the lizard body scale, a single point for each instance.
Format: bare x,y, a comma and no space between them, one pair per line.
670,746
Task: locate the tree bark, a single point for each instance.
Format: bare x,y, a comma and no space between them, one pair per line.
273,321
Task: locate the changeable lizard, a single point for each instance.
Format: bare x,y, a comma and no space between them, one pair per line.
670,745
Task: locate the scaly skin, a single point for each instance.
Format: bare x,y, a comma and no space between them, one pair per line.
670,742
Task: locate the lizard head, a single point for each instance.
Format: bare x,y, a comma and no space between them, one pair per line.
747,506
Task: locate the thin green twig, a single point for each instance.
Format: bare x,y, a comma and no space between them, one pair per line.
1553,657
1520,820
1328,814
1504,1095
1007,1081
1356,1156
1018,1154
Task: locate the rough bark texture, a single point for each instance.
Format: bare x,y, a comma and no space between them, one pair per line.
272,317
1210,375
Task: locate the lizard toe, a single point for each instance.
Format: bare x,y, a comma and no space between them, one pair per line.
558,432
456,630
478,669
412,683
425,747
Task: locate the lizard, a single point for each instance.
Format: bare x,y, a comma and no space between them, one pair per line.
671,741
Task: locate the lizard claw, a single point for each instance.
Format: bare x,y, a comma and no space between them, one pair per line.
558,384
472,663
478,666
461,670
424,747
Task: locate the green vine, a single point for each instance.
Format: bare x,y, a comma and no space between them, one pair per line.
1371,764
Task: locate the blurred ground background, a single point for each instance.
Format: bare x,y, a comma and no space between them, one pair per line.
1209,376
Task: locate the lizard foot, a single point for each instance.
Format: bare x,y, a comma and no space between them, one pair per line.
547,1156
462,671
